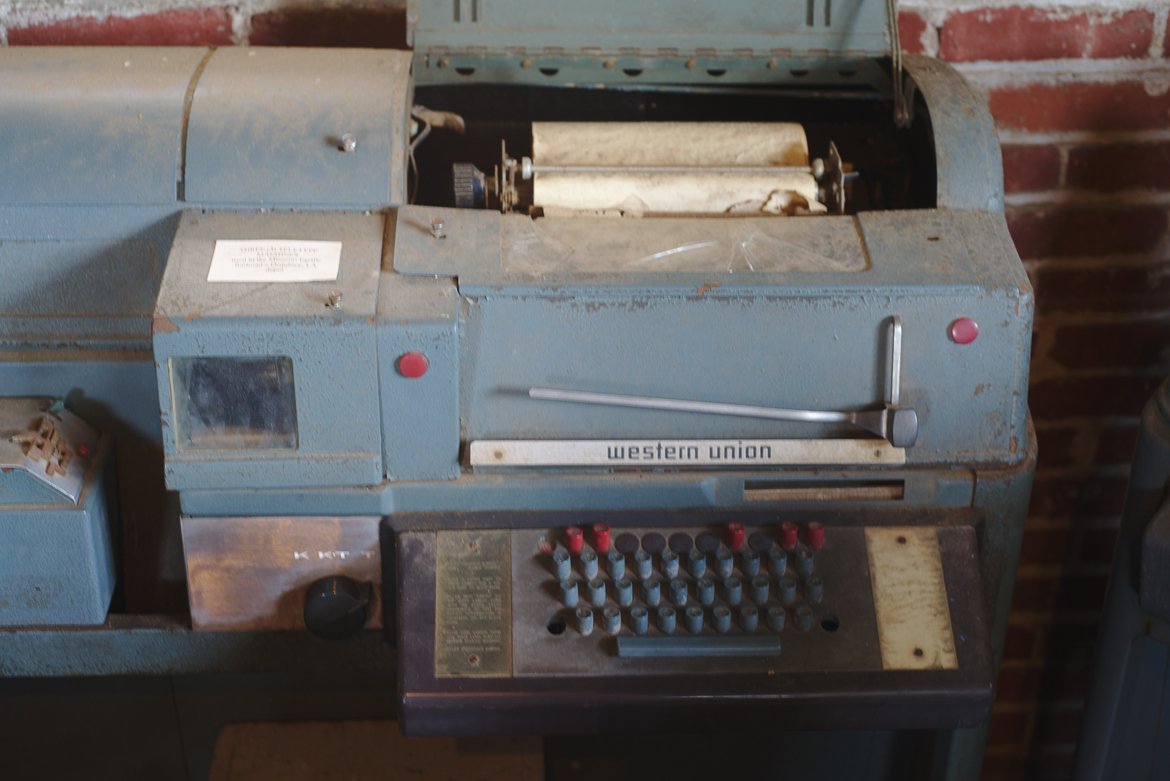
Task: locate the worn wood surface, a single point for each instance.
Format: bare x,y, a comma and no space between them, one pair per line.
251,573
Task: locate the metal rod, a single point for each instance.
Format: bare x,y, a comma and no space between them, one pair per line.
895,360
670,169
686,405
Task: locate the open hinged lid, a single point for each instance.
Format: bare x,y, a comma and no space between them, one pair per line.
782,28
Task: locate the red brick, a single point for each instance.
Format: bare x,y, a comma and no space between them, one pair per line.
1021,33
1090,396
373,27
1018,685
911,28
1019,643
181,27
1081,497
1030,167
1080,105
1007,728
1113,167
1078,231
1045,547
1057,447
1115,445
1079,286
1138,344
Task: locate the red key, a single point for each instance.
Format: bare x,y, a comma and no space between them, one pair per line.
735,536
816,535
601,538
574,539
789,535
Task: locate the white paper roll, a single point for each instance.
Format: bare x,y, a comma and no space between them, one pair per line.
703,147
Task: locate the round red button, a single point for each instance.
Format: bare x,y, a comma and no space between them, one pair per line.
413,365
601,538
735,536
816,535
964,330
788,535
574,539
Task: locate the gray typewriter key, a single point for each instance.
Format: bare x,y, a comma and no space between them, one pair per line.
706,590
722,615
733,591
653,543
562,564
616,562
760,542
694,619
697,563
724,563
681,542
613,619
584,620
787,587
814,589
775,618
804,561
759,590
652,591
749,618
678,592
589,564
643,565
596,591
624,592
777,562
626,543
569,593
707,542
804,618
750,563
669,564
666,619
640,620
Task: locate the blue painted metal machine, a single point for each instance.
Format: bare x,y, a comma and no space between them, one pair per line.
550,348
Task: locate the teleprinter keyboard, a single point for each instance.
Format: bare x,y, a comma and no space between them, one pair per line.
803,607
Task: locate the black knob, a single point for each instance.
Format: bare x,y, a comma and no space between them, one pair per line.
337,606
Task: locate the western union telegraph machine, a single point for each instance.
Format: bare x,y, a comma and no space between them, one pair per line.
617,368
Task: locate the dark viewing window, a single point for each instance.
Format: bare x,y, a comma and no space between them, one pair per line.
234,403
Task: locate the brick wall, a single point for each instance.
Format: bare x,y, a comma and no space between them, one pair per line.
1081,93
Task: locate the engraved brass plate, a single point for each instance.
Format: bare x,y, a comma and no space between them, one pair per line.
473,604
910,599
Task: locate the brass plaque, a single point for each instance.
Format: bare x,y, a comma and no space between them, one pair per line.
473,604
910,598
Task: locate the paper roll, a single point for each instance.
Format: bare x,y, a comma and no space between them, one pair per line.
703,147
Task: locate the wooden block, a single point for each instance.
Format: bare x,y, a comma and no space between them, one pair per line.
251,573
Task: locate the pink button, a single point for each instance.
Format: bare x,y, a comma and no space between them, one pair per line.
964,330
413,365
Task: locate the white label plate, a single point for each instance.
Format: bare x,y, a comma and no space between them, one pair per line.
274,260
682,453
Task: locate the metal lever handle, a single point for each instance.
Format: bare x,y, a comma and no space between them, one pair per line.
897,425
